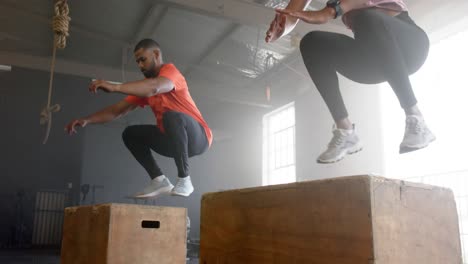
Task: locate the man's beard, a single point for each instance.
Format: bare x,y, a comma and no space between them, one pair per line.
151,72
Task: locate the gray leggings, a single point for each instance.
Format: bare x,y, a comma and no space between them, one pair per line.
384,48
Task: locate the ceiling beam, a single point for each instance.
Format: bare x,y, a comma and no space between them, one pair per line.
12,10
229,94
246,13
212,47
279,66
211,92
64,66
245,101
151,23
147,28
251,14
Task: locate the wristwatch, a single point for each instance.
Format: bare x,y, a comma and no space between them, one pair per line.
335,4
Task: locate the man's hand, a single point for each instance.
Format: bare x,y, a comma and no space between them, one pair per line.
103,85
277,28
71,127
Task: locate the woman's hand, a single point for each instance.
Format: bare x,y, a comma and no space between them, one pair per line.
311,17
276,29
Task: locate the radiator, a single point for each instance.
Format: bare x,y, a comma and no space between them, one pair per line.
48,217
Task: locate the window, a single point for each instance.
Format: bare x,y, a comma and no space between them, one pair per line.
279,146
440,87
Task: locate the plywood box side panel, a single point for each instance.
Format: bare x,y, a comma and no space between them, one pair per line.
414,223
318,222
85,235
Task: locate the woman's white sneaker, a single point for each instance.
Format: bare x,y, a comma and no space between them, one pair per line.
344,142
417,134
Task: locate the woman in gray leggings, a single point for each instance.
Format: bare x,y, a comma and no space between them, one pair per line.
387,47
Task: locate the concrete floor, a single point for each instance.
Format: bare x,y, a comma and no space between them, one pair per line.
38,257
29,256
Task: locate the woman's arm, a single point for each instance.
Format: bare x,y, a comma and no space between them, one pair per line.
283,24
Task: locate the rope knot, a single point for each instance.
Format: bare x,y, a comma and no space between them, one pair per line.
60,23
46,113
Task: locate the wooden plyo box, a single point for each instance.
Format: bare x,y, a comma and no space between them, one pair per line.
124,234
350,220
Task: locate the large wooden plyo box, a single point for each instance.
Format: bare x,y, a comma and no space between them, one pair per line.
124,234
350,220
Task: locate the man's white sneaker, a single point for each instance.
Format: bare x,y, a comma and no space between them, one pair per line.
158,186
417,135
183,187
344,142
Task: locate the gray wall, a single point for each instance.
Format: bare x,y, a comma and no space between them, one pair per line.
25,163
97,155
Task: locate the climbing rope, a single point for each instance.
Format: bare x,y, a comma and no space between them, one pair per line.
60,24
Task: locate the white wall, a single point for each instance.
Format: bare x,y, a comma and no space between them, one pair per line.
440,87
314,131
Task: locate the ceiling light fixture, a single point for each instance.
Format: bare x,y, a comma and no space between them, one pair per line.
108,81
5,67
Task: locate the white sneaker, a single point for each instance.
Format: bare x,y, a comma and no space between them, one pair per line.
417,135
183,187
157,187
344,142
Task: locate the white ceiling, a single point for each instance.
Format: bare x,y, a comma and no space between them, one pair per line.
218,44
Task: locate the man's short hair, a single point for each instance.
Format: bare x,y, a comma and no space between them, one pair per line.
146,44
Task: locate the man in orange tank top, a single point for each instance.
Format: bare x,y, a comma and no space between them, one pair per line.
180,131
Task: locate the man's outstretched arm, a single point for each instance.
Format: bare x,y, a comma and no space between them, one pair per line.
105,115
144,88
